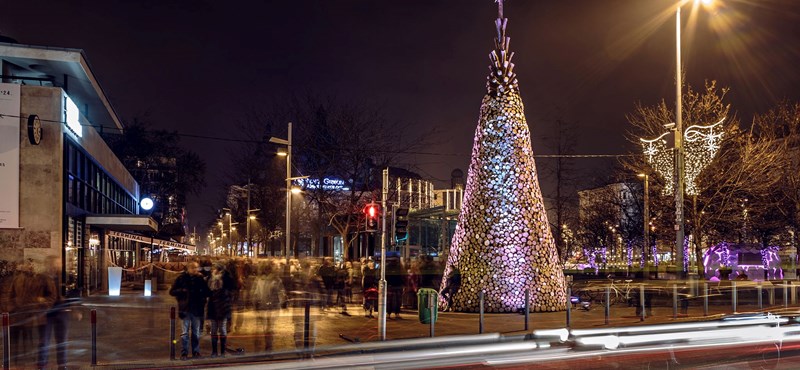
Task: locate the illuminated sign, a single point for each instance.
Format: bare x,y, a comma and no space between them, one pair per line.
72,116
327,183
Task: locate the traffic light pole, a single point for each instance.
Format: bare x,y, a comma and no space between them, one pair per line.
382,283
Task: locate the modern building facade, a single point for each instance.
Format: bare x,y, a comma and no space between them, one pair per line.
66,195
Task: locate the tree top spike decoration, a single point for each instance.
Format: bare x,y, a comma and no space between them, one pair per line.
503,244
502,77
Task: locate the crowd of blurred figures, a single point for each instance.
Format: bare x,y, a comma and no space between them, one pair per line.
211,290
38,309
212,295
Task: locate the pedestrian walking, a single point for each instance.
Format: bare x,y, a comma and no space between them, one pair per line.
221,286
57,316
269,296
191,291
31,295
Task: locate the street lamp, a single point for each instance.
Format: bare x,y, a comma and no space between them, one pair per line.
679,174
288,154
646,221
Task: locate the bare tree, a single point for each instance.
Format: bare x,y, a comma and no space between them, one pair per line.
560,170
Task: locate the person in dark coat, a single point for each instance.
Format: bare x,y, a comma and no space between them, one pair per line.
221,286
191,291
395,281
328,275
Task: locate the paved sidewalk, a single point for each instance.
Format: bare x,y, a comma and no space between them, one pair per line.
133,330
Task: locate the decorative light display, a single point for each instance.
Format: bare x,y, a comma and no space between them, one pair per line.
701,144
727,256
502,243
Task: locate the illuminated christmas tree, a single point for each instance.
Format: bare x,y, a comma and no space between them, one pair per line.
503,244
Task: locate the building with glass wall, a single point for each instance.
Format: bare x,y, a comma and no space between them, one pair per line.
65,194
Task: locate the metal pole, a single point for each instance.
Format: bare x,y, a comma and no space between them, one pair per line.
431,307
674,301
382,283
6,342
679,230
646,241
705,299
288,230
247,219
527,307
771,291
569,305
785,294
641,301
608,303
172,340
480,326
794,293
307,327
733,295
94,336
759,289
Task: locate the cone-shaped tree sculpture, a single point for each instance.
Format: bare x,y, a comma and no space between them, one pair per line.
502,243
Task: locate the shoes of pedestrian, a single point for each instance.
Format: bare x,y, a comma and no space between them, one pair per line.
214,355
184,357
196,355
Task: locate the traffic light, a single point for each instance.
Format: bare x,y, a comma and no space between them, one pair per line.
372,212
401,224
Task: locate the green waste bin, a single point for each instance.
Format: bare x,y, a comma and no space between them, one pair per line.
423,295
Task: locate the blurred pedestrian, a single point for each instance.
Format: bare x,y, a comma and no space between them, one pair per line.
191,291
268,295
395,281
221,286
57,317
328,275
31,295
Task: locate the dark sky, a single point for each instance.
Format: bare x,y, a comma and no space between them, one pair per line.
195,66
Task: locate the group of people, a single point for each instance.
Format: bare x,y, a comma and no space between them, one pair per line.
37,309
217,291
210,294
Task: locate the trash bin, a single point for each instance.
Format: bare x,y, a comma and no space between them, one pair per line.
423,295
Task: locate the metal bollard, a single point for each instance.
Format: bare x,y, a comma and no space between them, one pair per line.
480,326
608,303
759,289
527,307
172,340
705,299
794,293
641,300
785,293
94,336
734,295
307,327
569,305
6,342
674,301
431,307
771,292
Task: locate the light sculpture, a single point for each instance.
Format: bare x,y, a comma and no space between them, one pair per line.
701,144
503,244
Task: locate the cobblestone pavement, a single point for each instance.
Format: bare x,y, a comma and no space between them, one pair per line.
134,331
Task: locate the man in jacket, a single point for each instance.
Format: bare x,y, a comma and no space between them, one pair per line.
191,292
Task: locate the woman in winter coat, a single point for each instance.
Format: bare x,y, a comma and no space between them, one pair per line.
222,287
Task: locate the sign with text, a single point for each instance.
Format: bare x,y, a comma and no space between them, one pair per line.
9,155
328,183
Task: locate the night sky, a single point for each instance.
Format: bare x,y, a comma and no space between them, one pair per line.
196,66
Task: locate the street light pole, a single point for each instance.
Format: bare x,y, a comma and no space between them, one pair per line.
382,282
679,224
288,143
646,234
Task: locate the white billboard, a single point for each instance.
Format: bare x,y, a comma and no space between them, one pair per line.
9,155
